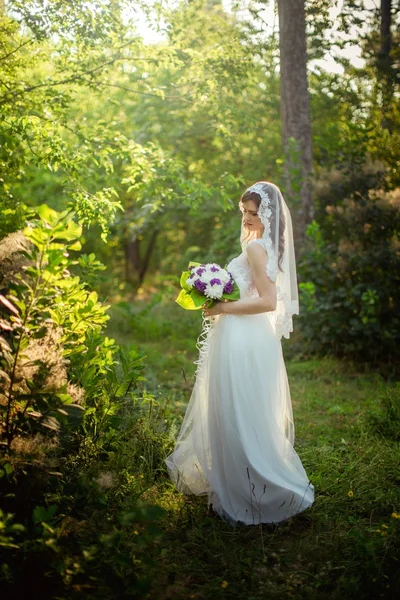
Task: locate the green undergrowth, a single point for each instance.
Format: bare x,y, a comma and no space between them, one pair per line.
344,547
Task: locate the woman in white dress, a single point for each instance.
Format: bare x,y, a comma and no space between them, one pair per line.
236,441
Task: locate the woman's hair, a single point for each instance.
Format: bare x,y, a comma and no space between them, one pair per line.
256,198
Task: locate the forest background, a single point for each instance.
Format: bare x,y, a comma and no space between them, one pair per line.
121,161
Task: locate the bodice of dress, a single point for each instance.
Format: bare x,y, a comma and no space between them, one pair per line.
240,269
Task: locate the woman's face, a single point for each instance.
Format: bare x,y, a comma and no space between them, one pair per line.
251,220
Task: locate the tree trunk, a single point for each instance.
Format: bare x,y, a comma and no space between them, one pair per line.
145,263
133,258
386,36
295,114
384,64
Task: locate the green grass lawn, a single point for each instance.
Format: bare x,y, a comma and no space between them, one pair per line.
346,546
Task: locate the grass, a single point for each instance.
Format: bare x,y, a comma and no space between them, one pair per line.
345,546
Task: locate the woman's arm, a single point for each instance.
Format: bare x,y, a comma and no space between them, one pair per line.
266,288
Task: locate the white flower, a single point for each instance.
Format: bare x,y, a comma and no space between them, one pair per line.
210,265
214,291
207,276
224,276
190,281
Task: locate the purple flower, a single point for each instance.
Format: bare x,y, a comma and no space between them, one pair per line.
192,267
215,281
200,285
214,269
228,289
200,271
191,276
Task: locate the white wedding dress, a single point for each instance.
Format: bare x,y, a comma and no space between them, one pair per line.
236,440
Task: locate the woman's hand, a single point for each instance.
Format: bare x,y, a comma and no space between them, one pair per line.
214,311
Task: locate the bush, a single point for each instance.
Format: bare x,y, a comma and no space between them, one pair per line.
70,403
350,289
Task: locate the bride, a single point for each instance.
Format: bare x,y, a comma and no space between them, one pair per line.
236,441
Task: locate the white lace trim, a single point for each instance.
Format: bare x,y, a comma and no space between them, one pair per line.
284,321
203,344
264,212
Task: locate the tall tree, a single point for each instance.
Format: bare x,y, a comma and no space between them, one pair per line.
295,112
385,62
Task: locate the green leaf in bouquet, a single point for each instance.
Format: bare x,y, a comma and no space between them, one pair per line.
234,295
184,285
193,300
185,301
198,298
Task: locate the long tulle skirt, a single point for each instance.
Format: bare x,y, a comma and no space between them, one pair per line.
236,440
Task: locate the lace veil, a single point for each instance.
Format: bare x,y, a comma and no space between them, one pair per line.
277,239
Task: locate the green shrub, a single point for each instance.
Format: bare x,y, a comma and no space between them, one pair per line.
70,405
350,279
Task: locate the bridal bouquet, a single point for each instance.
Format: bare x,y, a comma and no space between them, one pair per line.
205,284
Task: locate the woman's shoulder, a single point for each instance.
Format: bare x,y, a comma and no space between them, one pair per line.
253,249
257,241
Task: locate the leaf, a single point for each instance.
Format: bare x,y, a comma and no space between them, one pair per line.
198,298
56,246
185,301
72,232
8,469
8,304
4,375
34,413
183,284
192,300
74,410
75,246
235,295
36,236
51,423
41,513
5,325
93,297
47,214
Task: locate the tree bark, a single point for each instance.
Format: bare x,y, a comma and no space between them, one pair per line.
145,263
386,36
384,64
133,257
295,114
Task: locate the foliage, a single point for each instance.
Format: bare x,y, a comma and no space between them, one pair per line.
95,121
69,405
385,419
350,279
48,52
49,316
